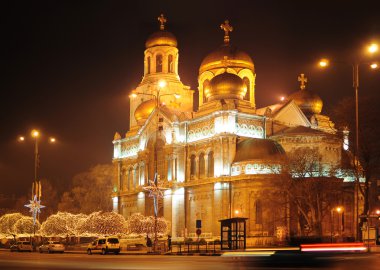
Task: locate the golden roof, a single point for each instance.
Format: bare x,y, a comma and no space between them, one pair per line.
224,86
161,38
143,111
309,102
226,56
258,149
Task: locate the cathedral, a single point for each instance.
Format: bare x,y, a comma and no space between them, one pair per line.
222,160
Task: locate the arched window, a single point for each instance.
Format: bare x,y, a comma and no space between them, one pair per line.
201,165
248,85
259,212
206,89
210,164
170,64
159,63
148,65
192,166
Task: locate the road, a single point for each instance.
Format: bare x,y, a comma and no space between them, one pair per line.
37,261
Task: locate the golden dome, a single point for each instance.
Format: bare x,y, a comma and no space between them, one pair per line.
224,86
161,38
309,102
143,111
226,56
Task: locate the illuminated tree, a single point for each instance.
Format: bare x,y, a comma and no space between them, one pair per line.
135,224
63,224
25,226
8,221
103,223
140,224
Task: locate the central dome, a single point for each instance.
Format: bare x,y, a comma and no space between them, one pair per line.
161,38
226,86
226,55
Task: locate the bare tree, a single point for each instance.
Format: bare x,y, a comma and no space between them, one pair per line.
311,188
90,192
365,162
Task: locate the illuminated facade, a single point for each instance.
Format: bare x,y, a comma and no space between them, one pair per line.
221,160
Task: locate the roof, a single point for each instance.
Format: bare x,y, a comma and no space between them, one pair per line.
300,130
258,149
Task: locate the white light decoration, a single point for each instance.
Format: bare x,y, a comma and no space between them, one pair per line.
35,207
168,192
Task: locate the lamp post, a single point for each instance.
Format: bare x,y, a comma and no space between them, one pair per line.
36,184
35,203
323,63
339,210
155,189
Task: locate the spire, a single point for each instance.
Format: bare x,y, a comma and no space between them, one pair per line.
162,21
226,27
303,81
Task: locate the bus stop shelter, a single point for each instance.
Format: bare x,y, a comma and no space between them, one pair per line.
233,233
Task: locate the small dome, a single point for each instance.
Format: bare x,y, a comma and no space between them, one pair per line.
226,55
161,38
143,111
309,102
258,149
226,86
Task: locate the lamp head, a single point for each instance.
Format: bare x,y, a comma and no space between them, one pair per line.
161,83
35,133
374,66
323,63
373,48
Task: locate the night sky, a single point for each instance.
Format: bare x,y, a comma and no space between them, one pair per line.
68,66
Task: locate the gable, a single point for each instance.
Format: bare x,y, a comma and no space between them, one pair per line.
291,115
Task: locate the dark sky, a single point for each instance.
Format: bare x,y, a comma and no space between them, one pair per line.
67,66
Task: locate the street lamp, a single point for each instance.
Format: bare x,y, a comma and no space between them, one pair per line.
155,189
339,210
36,184
323,63
35,203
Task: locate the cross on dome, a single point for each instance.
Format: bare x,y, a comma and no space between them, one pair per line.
227,28
162,21
303,81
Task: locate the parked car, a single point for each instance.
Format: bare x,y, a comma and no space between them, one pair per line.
22,246
51,246
104,245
